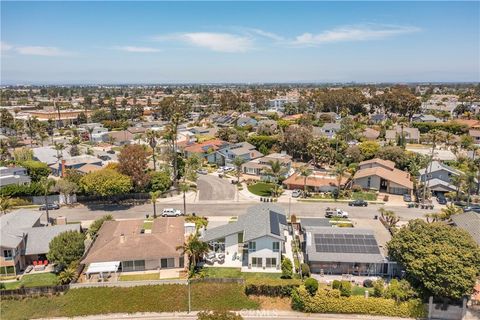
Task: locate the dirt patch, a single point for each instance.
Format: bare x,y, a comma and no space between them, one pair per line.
272,303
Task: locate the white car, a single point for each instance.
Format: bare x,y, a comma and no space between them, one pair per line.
170,212
296,193
330,213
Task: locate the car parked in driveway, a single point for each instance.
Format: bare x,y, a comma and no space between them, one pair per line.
296,193
358,203
407,198
202,171
170,212
333,212
441,199
50,206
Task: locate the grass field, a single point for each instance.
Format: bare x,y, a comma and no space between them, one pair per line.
261,189
163,298
33,280
139,277
236,273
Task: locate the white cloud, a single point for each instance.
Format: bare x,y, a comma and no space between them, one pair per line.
353,33
5,46
266,34
137,49
221,42
41,51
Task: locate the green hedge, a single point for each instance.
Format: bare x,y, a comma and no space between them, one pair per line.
271,287
330,301
14,190
7,270
452,127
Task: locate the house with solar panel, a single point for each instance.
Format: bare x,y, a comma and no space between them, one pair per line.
255,242
337,251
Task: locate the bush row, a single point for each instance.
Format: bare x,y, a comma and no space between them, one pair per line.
272,287
330,301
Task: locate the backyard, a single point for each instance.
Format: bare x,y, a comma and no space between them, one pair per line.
32,280
91,301
236,273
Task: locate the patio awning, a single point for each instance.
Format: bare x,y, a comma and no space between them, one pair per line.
101,267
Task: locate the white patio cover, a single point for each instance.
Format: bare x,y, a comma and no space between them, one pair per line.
101,267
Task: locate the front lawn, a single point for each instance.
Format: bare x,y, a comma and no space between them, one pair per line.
367,196
261,189
33,280
215,272
161,298
139,277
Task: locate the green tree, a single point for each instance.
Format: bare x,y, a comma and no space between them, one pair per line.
160,180
36,169
97,224
106,182
237,163
194,248
152,137
184,188
287,267
438,259
311,285
132,161
390,218
22,155
5,204
369,149
66,248
399,290
304,171
276,170
154,196
66,188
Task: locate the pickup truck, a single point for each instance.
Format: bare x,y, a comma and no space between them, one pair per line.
333,212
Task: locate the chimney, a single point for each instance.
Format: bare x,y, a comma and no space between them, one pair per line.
61,220
63,168
122,238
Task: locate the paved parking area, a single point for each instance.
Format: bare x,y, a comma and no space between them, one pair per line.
214,188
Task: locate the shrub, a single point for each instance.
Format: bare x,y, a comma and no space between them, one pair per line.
218,315
328,301
311,285
336,284
368,283
95,226
305,270
378,288
345,289
287,268
272,287
399,290
36,169
66,248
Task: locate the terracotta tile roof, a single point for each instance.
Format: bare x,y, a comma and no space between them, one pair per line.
214,144
317,179
468,122
87,168
122,241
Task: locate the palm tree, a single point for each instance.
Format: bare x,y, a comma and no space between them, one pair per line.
5,204
339,172
389,217
46,185
184,187
151,137
154,196
237,162
304,171
59,147
276,170
90,131
194,248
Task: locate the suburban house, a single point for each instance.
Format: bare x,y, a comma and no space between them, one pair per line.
370,134
255,242
118,138
381,175
132,248
246,121
77,162
475,134
13,175
256,168
203,131
328,130
267,126
412,135
337,251
24,239
378,117
244,150
278,104
439,177
318,181
205,150
425,118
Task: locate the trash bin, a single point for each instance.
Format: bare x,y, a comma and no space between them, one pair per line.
375,217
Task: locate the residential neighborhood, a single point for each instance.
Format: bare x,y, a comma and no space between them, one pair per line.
218,183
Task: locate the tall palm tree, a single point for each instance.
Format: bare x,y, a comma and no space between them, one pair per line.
151,137
339,172
184,187
275,170
47,184
237,162
154,196
59,147
194,248
304,171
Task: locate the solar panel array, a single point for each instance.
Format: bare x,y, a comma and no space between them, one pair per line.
346,243
274,226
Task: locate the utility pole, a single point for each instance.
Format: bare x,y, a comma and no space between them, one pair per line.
429,169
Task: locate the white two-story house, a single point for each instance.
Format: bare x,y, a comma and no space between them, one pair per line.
255,242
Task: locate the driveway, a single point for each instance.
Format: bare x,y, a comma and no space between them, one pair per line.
215,188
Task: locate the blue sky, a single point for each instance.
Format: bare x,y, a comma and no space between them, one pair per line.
165,42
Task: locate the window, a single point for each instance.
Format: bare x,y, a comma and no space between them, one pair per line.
257,262
167,262
240,237
252,246
369,181
136,265
181,262
271,262
8,254
276,246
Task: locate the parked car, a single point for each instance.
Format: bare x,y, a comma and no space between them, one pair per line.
296,193
474,208
111,151
441,199
331,213
407,198
104,157
170,212
51,206
202,171
358,203
227,169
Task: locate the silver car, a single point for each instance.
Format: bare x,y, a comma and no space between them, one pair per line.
170,212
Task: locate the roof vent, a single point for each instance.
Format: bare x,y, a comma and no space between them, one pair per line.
122,238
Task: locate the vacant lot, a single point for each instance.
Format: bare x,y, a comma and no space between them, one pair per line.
163,298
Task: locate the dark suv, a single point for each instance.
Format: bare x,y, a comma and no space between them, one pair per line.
358,203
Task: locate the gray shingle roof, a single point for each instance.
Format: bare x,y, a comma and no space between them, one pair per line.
13,225
256,223
470,222
38,238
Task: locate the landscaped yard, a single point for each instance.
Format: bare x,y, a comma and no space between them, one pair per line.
139,277
367,196
236,273
261,189
33,280
162,298
360,291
